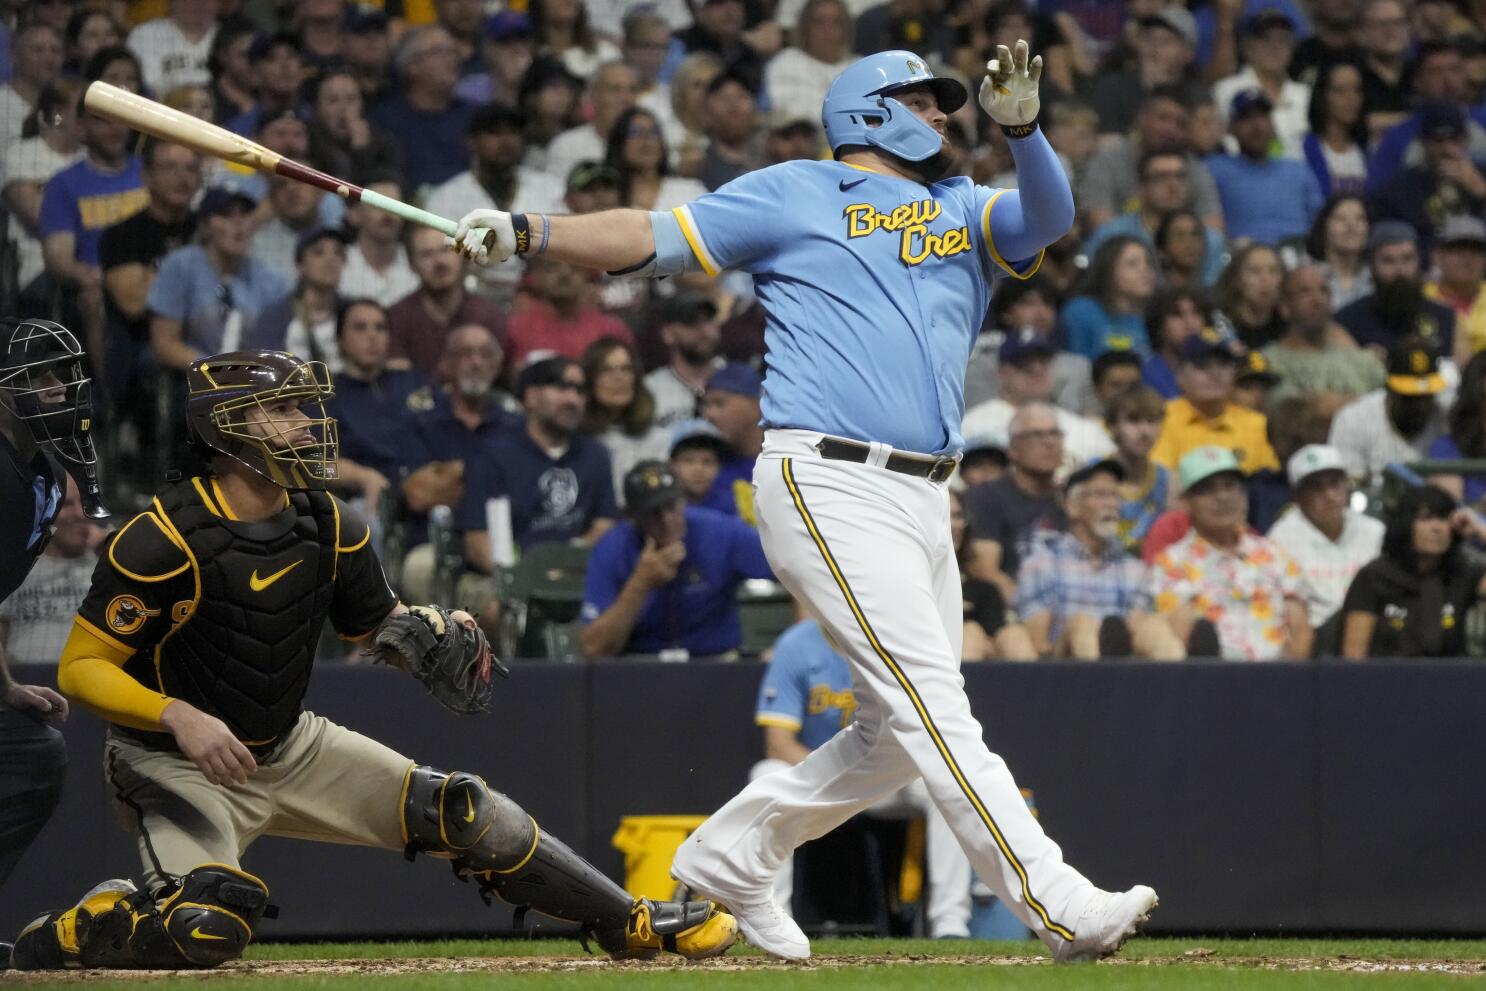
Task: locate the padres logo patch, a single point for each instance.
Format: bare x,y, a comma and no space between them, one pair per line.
127,613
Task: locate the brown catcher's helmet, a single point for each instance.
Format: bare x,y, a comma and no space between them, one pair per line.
224,390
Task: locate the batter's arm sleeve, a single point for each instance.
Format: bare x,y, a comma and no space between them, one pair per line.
1019,223
363,599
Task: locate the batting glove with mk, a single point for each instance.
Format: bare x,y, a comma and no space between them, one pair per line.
473,239
1009,91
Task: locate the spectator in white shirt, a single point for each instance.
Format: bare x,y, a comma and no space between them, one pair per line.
377,262
800,75
692,335
563,29
1268,43
1026,373
27,164
611,92
496,180
1398,422
35,62
1326,537
173,50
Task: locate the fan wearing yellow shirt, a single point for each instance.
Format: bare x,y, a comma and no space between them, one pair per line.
1205,415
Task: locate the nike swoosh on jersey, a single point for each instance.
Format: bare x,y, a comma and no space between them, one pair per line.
259,584
198,934
852,183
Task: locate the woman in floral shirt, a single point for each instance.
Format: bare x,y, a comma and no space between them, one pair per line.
1222,572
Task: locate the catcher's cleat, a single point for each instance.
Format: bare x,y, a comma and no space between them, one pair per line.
695,930
55,941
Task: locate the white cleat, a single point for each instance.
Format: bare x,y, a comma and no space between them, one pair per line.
1109,918
764,924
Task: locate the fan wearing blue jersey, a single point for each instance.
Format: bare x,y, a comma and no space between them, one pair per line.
874,271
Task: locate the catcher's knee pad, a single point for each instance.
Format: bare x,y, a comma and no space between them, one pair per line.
207,919
460,817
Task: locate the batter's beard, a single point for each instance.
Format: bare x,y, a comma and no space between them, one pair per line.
937,166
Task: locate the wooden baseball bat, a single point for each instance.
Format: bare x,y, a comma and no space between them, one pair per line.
162,122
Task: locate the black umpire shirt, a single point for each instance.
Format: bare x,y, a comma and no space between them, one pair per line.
30,496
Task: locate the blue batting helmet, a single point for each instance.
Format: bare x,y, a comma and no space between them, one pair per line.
863,93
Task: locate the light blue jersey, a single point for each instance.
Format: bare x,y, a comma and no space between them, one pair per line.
806,687
874,287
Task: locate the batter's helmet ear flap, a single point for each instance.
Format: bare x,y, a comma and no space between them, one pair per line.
859,110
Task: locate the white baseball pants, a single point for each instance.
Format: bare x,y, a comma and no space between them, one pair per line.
869,551
948,904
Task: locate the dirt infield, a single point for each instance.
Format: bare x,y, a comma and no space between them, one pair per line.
247,970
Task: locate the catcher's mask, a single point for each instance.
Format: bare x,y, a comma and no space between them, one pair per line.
45,385
266,410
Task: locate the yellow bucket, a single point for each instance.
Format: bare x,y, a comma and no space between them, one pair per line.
649,844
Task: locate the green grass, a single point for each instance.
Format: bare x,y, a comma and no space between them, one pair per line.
1158,964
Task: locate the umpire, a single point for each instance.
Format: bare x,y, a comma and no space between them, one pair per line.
45,415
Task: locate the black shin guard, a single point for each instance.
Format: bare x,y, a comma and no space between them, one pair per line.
490,838
557,882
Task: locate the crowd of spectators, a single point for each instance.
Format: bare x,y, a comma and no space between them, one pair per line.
1275,288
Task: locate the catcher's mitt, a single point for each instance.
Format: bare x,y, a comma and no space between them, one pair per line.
452,661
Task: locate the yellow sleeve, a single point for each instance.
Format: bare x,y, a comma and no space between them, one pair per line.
92,674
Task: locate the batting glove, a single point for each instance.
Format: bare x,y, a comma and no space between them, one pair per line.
1009,91
472,239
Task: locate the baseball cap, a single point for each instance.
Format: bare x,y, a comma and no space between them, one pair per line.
1207,343
1387,232
493,117
220,199
1440,120
649,486
1099,466
1203,463
1311,459
687,306
585,175
362,19
1249,101
264,45
697,432
547,371
1269,17
1414,369
508,25
1255,366
1176,19
1462,229
1024,345
318,233
737,378
789,122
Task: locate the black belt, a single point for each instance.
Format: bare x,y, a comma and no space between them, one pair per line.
917,465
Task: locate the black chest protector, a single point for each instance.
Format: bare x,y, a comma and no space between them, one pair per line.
245,650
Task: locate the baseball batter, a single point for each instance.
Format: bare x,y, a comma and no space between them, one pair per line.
196,643
875,271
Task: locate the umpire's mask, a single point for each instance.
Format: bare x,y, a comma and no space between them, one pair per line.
266,410
45,385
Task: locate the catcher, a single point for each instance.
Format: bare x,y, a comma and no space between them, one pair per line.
196,641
